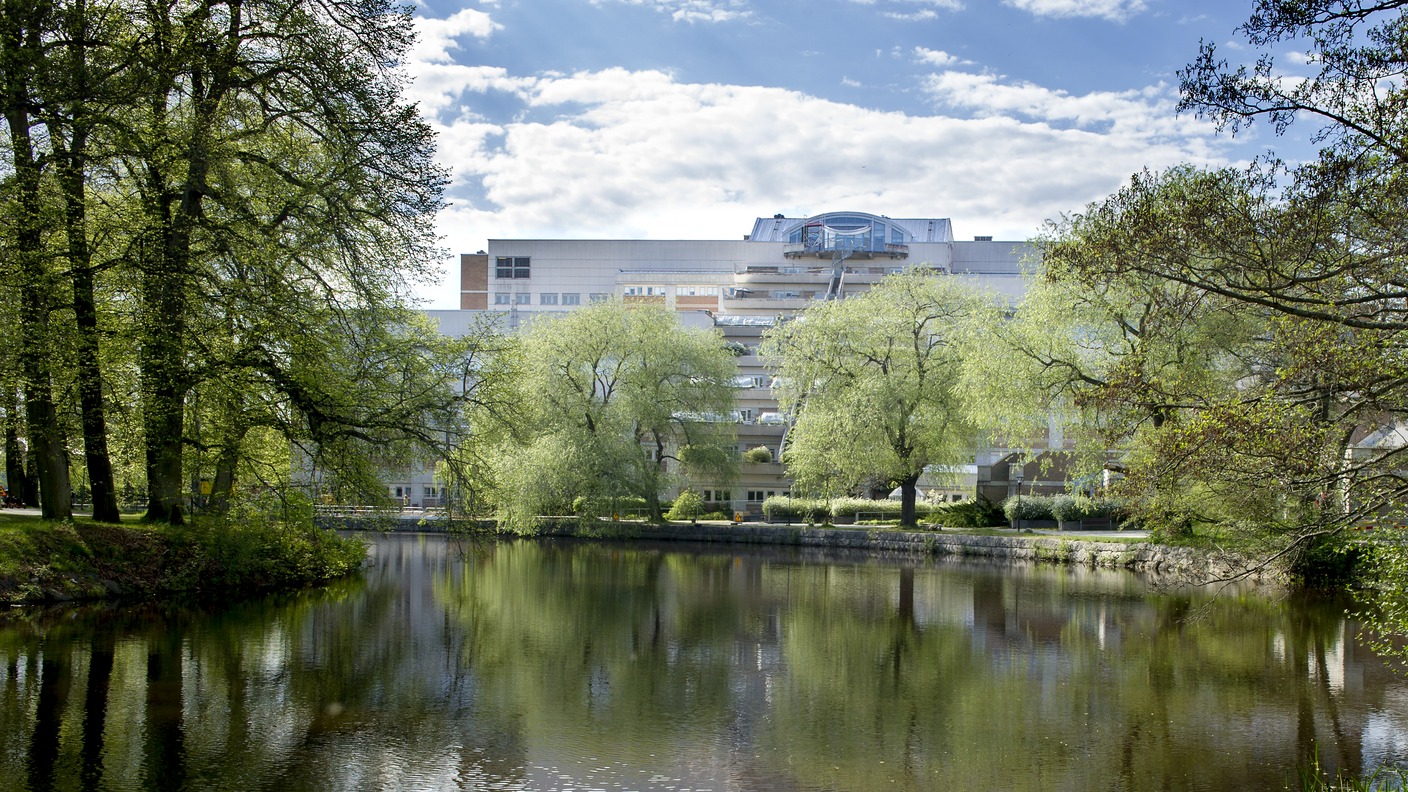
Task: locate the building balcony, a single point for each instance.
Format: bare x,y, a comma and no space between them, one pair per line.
798,250
744,299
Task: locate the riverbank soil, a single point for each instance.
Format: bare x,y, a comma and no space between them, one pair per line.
46,561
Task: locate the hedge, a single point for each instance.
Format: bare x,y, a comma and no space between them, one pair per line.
1033,507
849,507
1070,507
799,509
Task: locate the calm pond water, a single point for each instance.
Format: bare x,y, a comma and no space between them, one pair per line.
577,666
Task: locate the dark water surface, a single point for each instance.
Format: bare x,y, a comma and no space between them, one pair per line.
581,666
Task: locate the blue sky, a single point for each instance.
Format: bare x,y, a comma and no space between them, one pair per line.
689,118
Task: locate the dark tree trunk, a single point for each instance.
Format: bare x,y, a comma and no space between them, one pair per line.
162,355
15,475
71,159
908,487
20,45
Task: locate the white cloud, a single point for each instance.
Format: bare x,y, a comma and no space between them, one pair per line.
1115,10
697,10
436,37
636,154
849,82
934,57
1146,113
924,13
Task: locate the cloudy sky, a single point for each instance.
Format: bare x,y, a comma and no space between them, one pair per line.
671,119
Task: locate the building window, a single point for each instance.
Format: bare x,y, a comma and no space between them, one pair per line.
522,299
547,298
502,298
598,297
645,291
786,295
755,496
511,267
432,492
723,496
696,291
708,495
571,299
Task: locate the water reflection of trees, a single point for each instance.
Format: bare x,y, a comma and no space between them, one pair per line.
444,669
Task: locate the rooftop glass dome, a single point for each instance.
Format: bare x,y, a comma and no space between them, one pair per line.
847,232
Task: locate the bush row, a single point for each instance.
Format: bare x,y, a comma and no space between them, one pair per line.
966,513
1060,507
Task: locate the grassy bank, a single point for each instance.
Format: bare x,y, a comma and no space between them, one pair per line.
55,561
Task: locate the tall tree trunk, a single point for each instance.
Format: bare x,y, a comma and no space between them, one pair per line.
164,379
232,435
908,487
15,476
71,159
19,55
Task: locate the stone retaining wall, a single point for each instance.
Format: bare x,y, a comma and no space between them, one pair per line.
1193,565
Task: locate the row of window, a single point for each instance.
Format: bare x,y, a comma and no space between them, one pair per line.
546,298
405,492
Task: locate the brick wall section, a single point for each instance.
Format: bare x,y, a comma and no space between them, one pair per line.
474,281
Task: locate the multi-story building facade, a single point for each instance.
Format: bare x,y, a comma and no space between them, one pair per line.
739,287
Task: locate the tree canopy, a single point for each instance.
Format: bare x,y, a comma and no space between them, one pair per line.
872,385
617,400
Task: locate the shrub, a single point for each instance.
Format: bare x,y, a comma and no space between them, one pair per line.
759,455
888,509
686,507
1033,507
978,513
716,515
798,509
1069,507
606,506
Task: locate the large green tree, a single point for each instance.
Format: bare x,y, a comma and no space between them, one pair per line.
872,384
617,401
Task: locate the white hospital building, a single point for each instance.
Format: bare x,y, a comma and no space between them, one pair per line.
741,287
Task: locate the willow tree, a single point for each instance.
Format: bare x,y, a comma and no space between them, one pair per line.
872,384
617,400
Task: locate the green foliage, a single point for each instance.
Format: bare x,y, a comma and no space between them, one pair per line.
758,456
689,505
873,381
1028,507
848,508
1314,778
609,395
811,511
604,507
972,513
1077,507
238,556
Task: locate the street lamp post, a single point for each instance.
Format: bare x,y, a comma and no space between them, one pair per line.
1018,511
